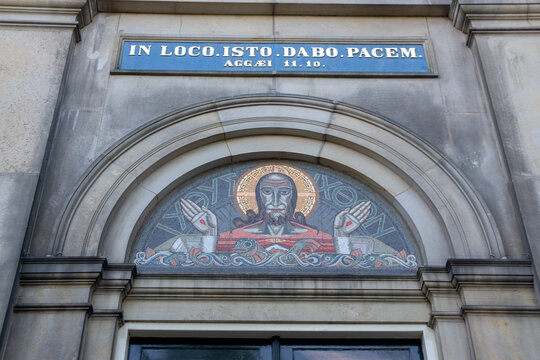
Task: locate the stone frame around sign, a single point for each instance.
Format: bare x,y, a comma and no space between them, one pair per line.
430,57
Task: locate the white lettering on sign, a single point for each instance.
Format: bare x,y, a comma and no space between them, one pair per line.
164,51
208,51
364,53
248,63
142,49
377,52
389,52
216,56
411,52
266,51
180,51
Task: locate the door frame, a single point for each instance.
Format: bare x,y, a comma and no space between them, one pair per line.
283,330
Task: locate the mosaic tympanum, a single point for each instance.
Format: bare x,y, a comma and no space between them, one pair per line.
275,214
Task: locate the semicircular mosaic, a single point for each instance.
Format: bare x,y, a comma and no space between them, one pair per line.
275,214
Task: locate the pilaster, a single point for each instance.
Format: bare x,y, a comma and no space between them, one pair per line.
36,40
504,38
74,299
468,295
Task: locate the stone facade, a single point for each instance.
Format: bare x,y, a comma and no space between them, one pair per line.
87,152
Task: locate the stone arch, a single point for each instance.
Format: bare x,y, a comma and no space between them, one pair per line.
445,214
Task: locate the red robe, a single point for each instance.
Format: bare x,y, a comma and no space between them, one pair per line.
227,240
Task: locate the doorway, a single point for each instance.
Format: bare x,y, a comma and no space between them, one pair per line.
273,349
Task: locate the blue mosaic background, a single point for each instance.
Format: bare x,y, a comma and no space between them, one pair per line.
215,190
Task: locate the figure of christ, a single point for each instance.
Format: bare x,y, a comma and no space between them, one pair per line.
275,226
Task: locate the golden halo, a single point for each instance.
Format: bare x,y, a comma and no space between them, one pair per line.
244,190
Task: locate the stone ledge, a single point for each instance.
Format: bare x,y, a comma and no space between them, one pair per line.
52,307
285,7
53,13
93,271
316,287
490,310
444,316
508,15
60,269
490,272
459,272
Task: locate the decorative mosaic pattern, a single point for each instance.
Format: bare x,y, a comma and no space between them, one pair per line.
288,215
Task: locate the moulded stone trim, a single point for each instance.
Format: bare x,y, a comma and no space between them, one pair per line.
106,209
51,13
287,7
470,15
301,330
425,223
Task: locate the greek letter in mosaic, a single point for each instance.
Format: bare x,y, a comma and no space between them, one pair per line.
275,214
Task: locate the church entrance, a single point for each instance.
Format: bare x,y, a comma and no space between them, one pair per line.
273,349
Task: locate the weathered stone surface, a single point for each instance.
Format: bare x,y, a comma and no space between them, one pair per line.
458,80
28,94
512,87
30,74
45,328
98,342
509,337
16,196
278,311
453,339
327,27
477,120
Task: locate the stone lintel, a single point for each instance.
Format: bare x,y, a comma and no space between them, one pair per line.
315,287
464,285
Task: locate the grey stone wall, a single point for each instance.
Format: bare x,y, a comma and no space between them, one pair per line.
449,111
62,110
32,68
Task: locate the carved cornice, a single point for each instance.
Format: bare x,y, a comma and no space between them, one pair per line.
281,7
489,15
464,272
466,15
308,287
69,269
475,272
79,13
75,273
52,13
462,287
52,307
476,286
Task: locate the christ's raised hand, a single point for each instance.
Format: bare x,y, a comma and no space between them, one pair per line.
351,218
202,219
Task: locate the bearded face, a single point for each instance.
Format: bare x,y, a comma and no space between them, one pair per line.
276,193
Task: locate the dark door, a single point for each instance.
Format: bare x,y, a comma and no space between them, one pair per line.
273,349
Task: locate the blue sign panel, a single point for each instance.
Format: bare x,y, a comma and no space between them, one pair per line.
273,58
